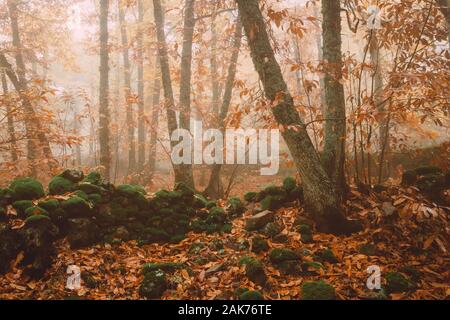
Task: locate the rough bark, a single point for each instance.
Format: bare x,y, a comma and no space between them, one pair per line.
320,196
141,100
183,172
127,90
104,117
10,121
335,123
215,187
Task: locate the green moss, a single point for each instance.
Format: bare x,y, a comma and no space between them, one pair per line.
282,254
251,295
289,184
259,244
27,189
59,185
36,219
239,291
254,270
72,175
95,198
305,232
216,244
49,205
35,210
272,202
196,247
311,266
21,206
82,194
368,249
216,215
250,196
317,290
153,285
226,228
130,190
164,266
94,178
396,282
272,229
274,191
90,188
327,255
235,206
76,207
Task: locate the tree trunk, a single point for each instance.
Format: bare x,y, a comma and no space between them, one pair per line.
335,122
320,197
141,101
105,154
127,91
10,120
445,9
215,188
183,172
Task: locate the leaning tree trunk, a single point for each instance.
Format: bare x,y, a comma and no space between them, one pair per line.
320,196
335,122
141,100
183,172
215,188
10,121
127,90
105,153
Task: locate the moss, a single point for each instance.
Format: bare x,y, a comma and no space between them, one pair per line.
216,215
21,206
250,196
177,238
72,175
311,265
235,206
426,170
317,290
36,219
216,244
305,232
254,270
27,189
272,202
259,244
153,285
6,196
282,254
272,229
251,295
327,255
368,249
211,204
59,185
35,210
130,190
94,178
76,207
186,191
239,291
90,188
164,266
396,282
49,205
196,247
95,198
200,201
226,228
289,184
274,191
81,194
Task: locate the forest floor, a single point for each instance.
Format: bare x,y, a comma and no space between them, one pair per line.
412,240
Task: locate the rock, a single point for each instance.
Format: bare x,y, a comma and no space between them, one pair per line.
250,196
72,175
59,185
21,206
82,232
235,207
90,188
272,229
388,209
259,220
153,285
317,290
327,255
301,220
76,207
35,210
286,260
259,244
251,295
94,178
305,232
49,205
396,282
27,189
273,202
254,270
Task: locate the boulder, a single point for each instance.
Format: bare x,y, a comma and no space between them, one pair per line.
259,220
317,290
254,270
59,185
259,244
26,189
77,207
21,206
153,285
72,175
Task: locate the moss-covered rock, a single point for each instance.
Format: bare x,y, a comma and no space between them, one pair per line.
6,197
250,196
49,205
37,220
327,255
235,207
21,206
251,295
77,207
317,290
259,244
72,175
59,185
94,178
396,282
27,189
305,233
153,285
272,202
82,233
254,270
285,260
35,210
289,184
272,229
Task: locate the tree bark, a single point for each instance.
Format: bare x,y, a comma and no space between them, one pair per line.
10,121
104,117
215,187
444,6
183,172
321,199
127,91
335,122
141,100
